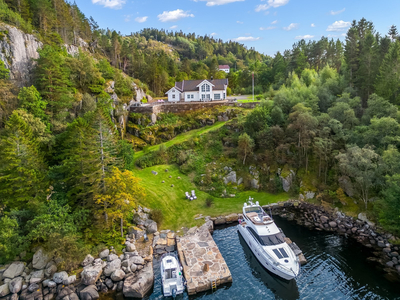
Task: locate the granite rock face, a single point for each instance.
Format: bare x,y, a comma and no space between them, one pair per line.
14,270
40,259
15,285
140,283
91,274
18,51
89,293
60,277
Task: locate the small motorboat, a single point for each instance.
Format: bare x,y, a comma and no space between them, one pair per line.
267,242
173,281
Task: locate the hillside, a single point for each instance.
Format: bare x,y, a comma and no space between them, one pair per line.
327,132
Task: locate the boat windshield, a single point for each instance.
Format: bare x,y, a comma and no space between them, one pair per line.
170,273
271,240
255,209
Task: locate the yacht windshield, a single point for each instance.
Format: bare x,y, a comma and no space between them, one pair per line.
271,240
255,209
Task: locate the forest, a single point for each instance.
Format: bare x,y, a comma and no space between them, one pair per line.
67,177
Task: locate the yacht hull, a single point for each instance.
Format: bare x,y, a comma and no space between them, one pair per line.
261,256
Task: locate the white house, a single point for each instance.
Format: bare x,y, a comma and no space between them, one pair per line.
224,68
198,90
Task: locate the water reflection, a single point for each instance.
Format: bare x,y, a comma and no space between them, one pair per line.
283,289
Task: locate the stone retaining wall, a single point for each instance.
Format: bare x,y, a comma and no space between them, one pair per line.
187,106
364,231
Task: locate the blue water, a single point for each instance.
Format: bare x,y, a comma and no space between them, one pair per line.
337,269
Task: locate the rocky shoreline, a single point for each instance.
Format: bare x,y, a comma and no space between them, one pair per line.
386,253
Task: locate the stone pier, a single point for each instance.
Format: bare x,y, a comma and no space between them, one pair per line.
201,260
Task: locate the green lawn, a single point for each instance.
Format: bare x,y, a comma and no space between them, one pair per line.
182,137
179,212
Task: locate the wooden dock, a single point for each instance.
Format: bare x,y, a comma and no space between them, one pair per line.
203,265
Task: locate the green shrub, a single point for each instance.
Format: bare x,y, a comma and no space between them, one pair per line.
209,201
157,216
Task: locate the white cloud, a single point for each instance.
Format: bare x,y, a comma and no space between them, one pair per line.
274,22
141,19
174,15
312,25
239,22
173,27
334,13
304,37
218,2
246,39
339,26
267,28
271,3
115,4
291,26
127,18
214,34
261,7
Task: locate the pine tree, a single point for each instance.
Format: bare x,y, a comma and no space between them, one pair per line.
22,168
52,77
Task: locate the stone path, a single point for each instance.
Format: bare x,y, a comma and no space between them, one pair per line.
202,261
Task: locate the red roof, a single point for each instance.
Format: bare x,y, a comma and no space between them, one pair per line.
223,67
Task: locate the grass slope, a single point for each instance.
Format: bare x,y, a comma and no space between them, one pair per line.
178,211
180,138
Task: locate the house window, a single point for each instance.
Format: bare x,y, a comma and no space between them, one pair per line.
203,96
217,96
192,96
173,96
224,95
203,88
188,96
207,88
208,96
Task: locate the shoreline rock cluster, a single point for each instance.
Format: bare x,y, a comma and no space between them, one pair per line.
361,229
130,273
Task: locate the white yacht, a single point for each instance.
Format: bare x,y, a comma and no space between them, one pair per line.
173,281
267,242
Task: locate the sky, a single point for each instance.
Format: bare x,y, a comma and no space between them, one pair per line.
267,25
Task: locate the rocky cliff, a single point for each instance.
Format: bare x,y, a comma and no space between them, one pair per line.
18,51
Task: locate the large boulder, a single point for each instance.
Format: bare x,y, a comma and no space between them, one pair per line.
130,247
40,259
89,293
91,274
14,270
287,182
140,283
112,257
137,260
88,260
15,285
37,276
104,253
60,277
112,266
346,185
70,280
151,226
231,177
4,290
140,218
254,183
117,275
51,268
